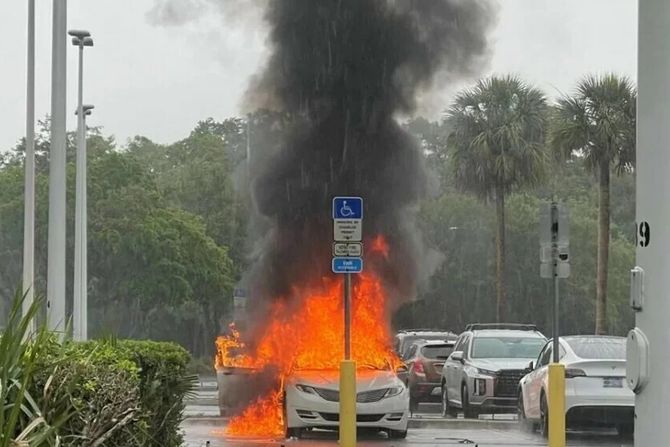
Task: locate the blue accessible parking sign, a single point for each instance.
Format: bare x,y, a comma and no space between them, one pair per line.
347,208
347,265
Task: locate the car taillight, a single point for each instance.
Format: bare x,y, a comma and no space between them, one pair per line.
571,373
418,368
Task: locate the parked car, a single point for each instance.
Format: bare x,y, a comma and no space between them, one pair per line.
405,339
596,392
424,374
312,400
482,374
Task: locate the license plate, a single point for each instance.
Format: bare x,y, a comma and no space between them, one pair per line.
613,382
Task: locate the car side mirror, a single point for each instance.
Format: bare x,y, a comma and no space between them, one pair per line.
457,356
531,366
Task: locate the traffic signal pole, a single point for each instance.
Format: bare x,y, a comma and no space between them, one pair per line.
648,366
556,398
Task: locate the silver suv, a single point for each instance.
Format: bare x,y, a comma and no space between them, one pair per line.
483,372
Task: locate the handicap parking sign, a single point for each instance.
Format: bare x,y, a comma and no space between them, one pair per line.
347,208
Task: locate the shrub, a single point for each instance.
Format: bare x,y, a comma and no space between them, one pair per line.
123,392
22,420
101,391
164,383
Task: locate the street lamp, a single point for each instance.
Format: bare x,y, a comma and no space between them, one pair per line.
81,39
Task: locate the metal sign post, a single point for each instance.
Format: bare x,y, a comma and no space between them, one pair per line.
347,252
555,264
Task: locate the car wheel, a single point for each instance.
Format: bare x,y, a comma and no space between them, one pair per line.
625,430
468,411
293,433
524,424
397,434
544,416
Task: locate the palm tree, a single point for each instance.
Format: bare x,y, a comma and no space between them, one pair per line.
498,144
597,125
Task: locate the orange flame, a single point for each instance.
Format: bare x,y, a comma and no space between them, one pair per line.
311,335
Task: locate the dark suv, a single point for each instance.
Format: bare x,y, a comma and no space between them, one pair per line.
406,338
424,366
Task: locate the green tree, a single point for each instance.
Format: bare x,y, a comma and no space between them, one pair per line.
498,145
597,125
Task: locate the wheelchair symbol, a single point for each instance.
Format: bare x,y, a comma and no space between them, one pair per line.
346,211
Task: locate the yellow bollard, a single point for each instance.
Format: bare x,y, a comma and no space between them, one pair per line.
348,403
556,403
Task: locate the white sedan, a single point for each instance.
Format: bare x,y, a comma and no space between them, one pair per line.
312,401
596,393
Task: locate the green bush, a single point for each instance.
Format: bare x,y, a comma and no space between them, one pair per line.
120,393
164,383
21,408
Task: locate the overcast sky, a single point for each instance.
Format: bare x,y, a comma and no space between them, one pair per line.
158,81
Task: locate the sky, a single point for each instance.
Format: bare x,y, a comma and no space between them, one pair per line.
160,80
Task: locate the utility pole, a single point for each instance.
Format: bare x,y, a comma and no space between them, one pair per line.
29,177
81,39
57,178
648,363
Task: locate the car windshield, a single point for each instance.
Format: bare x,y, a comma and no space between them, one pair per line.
436,351
606,348
507,347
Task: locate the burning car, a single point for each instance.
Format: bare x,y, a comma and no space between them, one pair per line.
312,401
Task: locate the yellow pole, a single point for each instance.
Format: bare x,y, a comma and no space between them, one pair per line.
556,405
348,403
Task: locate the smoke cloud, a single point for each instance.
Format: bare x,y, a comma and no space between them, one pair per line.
343,70
181,12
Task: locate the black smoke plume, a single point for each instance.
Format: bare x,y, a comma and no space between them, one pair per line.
344,70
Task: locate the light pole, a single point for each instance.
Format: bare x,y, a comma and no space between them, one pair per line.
80,39
57,178
29,190
80,307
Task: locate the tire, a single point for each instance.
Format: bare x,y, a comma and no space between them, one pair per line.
525,425
626,430
397,434
468,411
544,416
294,433
447,410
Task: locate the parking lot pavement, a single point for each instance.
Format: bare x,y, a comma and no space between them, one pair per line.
203,428
207,435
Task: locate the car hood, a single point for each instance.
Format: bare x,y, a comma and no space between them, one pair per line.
498,364
366,380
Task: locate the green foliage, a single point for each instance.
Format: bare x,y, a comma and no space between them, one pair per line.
498,133
119,392
23,410
149,257
598,123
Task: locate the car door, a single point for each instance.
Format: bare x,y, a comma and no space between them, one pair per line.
457,379
534,383
453,371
